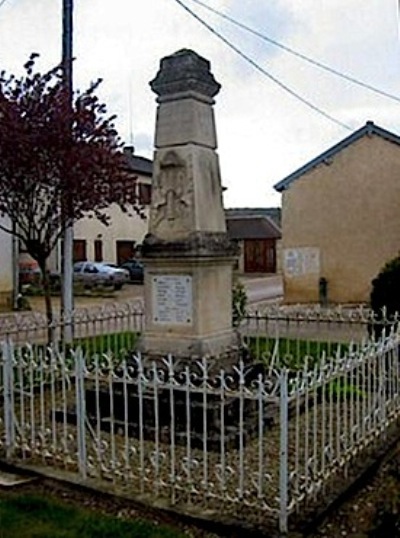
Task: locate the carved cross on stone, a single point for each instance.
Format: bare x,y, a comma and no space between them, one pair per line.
172,192
172,198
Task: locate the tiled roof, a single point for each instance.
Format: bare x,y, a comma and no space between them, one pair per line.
367,130
137,164
252,228
273,213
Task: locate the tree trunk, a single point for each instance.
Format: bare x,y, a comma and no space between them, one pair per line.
47,301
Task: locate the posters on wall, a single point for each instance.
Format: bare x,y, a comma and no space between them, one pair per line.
301,261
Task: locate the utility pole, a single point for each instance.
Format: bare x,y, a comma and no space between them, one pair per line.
67,272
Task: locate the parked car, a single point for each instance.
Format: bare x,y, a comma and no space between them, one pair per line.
92,274
135,269
29,273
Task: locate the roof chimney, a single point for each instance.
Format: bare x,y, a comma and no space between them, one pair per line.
129,151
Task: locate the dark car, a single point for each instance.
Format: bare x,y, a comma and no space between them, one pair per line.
135,269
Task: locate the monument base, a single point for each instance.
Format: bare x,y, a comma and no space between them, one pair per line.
142,409
189,346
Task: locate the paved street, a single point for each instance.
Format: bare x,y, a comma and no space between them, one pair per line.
263,288
260,289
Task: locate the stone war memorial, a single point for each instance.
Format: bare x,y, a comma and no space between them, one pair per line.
188,273
187,253
188,256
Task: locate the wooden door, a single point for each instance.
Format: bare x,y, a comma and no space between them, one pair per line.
125,251
98,250
79,253
259,256
270,255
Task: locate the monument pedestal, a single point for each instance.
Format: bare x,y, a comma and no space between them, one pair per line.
188,297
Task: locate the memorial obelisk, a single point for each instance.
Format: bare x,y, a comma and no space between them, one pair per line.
187,254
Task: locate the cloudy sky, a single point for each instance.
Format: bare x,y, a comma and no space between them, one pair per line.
264,133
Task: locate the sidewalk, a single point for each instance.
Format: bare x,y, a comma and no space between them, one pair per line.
260,288
129,293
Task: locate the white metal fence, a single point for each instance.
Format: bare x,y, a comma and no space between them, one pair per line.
120,324
258,443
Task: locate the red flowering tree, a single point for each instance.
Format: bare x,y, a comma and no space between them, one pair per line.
58,163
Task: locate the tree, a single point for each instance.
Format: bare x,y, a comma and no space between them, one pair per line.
58,163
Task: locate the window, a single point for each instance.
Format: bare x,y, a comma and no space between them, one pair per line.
89,268
144,194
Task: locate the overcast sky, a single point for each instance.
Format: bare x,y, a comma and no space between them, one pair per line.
264,133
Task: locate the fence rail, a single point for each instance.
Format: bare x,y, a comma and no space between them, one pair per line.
104,328
321,324
257,442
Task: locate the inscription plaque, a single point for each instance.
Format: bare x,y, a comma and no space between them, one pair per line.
172,299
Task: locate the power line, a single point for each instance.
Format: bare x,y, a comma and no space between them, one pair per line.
311,61
262,70
398,12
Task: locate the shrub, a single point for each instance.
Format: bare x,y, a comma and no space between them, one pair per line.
385,297
239,302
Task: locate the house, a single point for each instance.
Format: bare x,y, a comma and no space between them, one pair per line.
257,236
120,240
341,218
8,253
92,240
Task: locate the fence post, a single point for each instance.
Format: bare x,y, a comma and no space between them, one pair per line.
80,410
283,455
8,381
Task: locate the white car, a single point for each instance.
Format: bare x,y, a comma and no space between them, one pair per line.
92,274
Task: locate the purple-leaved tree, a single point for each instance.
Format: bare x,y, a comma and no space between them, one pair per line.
58,163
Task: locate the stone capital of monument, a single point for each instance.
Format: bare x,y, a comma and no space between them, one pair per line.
185,72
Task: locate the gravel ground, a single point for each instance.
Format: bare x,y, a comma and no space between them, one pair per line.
373,511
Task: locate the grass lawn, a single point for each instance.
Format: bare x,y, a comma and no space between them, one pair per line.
117,343
31,516
291,353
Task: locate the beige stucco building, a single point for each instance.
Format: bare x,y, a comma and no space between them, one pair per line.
341,218
92,240
119,241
